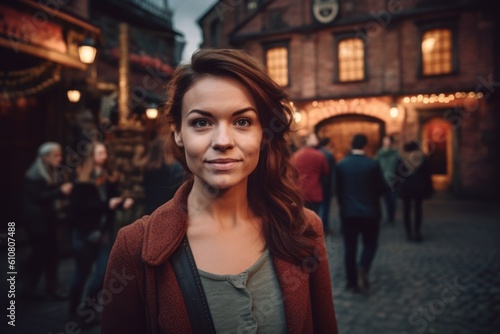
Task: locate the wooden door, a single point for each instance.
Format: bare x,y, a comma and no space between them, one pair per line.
437,140
341,130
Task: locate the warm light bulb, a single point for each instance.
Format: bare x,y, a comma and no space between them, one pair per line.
393,112
74,95
87,53
152,113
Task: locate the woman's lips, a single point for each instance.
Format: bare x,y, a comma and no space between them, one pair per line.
223,164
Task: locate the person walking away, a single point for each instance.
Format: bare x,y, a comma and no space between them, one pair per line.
327,184
42,188
360,184
388,158
92,205
415,186
312,166
162,176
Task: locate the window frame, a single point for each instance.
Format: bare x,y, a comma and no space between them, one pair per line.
276,44
425,26
338,38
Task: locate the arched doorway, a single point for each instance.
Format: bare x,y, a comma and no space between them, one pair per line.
341,129
437,143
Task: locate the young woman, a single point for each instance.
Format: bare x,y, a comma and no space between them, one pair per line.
43,187
93,201
259,256
162,175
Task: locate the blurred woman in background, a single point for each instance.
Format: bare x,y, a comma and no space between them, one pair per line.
163,175
93,201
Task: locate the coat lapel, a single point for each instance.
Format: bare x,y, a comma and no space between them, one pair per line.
166,227
294,284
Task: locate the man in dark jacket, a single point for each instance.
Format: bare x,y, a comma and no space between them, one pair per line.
359,184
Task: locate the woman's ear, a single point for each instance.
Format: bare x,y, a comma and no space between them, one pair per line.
178,138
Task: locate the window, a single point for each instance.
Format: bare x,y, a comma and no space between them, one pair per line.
437,52
351,60
277,64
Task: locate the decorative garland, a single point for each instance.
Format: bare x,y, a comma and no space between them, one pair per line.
29,81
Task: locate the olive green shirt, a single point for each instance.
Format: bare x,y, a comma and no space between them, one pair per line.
250,302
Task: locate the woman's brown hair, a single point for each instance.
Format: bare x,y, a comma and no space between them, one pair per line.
273,193
84,172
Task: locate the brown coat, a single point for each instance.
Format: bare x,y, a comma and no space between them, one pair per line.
140,283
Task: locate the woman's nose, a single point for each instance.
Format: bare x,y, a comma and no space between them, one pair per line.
223,138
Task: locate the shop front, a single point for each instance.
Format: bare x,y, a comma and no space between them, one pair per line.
39,48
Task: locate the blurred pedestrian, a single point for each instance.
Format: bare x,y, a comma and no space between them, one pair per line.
327,183
388,158
359,183
42,188
233,250
163,175
92,204
312,167
415,185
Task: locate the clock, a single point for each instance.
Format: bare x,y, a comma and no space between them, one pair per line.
325,11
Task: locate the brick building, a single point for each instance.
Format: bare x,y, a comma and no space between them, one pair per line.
415,69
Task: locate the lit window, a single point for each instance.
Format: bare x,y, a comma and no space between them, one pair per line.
351,60
277,64
436,52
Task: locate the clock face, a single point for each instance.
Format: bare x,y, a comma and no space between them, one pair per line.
325,11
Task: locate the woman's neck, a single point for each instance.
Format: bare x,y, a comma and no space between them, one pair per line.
225,207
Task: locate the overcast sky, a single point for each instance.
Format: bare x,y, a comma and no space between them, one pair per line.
186,12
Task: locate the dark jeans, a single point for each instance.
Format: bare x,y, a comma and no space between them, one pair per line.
324,212
352,229
43,259
390,200
407,208
86,255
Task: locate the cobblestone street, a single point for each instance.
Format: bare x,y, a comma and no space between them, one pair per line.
449,283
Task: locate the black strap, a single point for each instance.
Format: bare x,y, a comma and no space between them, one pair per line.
189,282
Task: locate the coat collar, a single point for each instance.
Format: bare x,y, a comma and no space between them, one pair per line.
166,227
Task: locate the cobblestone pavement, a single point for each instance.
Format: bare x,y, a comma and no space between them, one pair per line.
449,283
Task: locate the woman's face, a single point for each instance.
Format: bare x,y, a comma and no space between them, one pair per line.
220,132
100,155
54,158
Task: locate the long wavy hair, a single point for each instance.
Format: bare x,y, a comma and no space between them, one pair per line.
273,193
85,171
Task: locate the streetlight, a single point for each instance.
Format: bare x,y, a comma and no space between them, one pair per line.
87,51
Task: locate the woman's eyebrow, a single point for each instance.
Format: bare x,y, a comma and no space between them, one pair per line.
209,114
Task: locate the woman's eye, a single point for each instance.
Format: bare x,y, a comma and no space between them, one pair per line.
243,122
200,123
